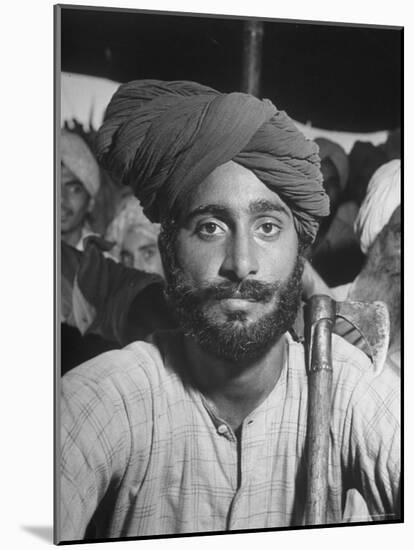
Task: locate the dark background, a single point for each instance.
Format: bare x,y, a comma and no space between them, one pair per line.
338,77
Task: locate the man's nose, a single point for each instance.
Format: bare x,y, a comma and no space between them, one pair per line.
63,195
241,259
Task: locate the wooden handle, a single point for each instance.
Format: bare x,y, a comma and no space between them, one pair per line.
319,411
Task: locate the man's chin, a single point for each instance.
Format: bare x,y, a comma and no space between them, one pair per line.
237,336
67,225
235,341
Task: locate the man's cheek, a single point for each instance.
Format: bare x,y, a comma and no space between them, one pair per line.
197,263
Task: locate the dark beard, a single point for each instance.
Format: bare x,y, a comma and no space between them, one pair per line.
233,340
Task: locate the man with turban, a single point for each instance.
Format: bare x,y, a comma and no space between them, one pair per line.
203,428
382,198
335,254
135,238
80,182
378,226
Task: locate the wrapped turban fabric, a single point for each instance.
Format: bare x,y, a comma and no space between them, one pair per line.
382,198
163,138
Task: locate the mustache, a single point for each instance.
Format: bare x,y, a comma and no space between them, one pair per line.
66,212
257,291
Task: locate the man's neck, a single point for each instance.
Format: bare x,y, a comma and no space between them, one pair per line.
235,390
72,237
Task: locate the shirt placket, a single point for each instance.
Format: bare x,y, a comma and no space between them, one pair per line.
245,456
224,431
248,508
252,435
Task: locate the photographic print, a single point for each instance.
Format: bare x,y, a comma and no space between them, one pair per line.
228,249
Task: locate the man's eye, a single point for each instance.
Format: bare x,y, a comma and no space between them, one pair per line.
147,252
127,259
209,229
268,229
75,187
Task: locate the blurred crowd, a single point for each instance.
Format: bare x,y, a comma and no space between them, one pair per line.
112,275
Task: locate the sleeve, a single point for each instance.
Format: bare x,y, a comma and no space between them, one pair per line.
372,453
95,448
70,260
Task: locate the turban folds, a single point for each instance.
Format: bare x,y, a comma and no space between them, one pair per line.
78,158
382,198
163,138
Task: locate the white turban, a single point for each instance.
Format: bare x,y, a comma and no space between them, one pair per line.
78,158
130,215
382,198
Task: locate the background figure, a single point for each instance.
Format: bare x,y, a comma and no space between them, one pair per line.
335,170
364,159
88,201
135,238
80,182
335,254
111,195
379,228
382,197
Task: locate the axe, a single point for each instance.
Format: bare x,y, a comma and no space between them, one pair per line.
365,324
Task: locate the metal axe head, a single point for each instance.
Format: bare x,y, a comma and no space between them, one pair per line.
369,330
366,325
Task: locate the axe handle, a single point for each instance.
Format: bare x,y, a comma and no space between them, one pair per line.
319,411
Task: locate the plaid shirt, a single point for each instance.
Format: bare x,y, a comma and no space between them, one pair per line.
145,454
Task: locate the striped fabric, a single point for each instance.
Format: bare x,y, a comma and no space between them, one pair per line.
144,453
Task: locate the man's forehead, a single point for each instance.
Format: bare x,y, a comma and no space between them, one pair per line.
145,231
235,188
67,175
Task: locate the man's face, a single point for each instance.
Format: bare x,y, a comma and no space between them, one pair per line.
74,201
140,250
237,279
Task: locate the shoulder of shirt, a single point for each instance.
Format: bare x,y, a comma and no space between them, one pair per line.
344,352
353,371
348,361
353,379
140,362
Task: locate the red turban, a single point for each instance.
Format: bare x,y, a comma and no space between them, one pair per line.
163,138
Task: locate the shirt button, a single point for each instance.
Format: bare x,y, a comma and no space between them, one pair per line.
222,429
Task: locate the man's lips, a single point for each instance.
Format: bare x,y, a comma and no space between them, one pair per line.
247,292
65,216
236,304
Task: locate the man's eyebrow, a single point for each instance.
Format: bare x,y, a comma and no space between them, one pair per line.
259,206
262,206
74,180
213,209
